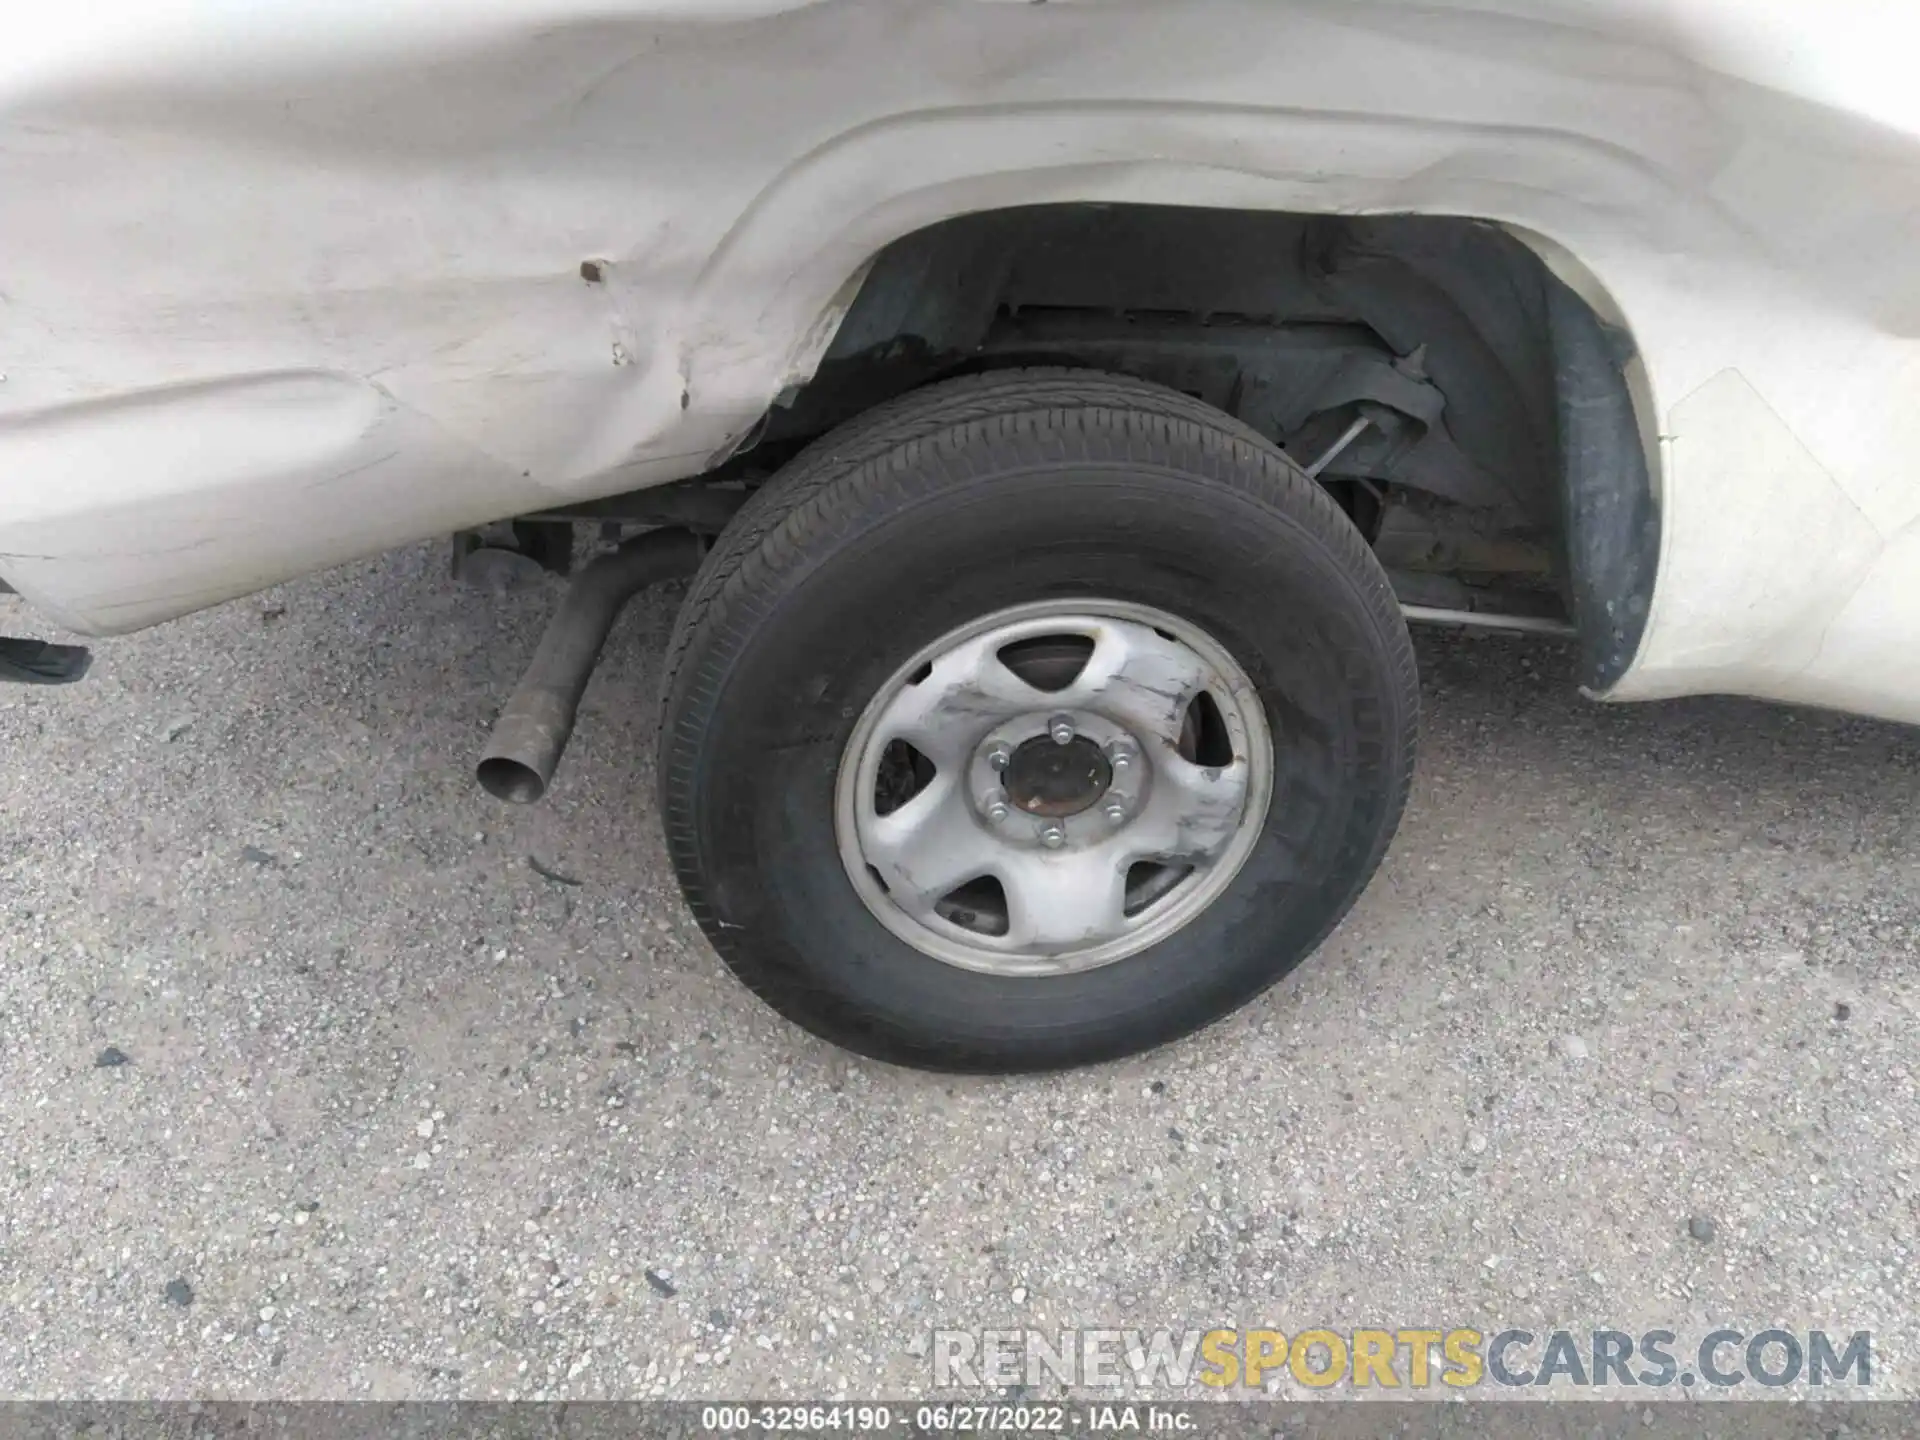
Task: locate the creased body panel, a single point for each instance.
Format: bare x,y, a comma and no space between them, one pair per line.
290,472
401,198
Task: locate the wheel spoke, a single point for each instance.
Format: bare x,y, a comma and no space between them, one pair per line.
1193,812
966,694
1064,901
1083,780
1138,677
929,847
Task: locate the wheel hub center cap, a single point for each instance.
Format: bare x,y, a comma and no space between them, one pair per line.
1044,778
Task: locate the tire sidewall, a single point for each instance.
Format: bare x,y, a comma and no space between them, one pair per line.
958,529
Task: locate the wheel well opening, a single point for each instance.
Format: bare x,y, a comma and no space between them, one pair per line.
1466,406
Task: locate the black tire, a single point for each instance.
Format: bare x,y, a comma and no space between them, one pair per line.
957,501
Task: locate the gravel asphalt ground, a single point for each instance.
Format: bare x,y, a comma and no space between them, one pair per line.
323,1075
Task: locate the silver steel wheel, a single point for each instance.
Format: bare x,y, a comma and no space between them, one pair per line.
1054,787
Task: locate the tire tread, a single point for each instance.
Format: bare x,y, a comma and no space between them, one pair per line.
948,431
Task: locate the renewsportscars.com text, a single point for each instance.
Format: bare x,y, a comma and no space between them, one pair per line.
1398,1358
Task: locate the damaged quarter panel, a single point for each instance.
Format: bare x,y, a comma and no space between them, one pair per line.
282,285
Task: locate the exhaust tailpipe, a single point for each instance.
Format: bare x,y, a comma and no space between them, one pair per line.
534,727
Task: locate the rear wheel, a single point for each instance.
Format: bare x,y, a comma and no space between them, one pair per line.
1034,719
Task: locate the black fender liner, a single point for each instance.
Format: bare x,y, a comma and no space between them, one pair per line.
1610,515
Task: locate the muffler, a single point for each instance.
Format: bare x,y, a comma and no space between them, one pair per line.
534,727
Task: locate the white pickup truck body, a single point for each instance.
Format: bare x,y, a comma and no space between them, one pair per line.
286,284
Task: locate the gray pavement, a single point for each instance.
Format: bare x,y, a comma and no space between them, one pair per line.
312,1084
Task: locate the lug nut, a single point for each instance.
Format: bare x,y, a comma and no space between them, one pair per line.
1061,729
1116,811
999,756
1120,757
1053,836
994,803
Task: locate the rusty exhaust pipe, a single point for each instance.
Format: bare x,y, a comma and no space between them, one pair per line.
537,721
